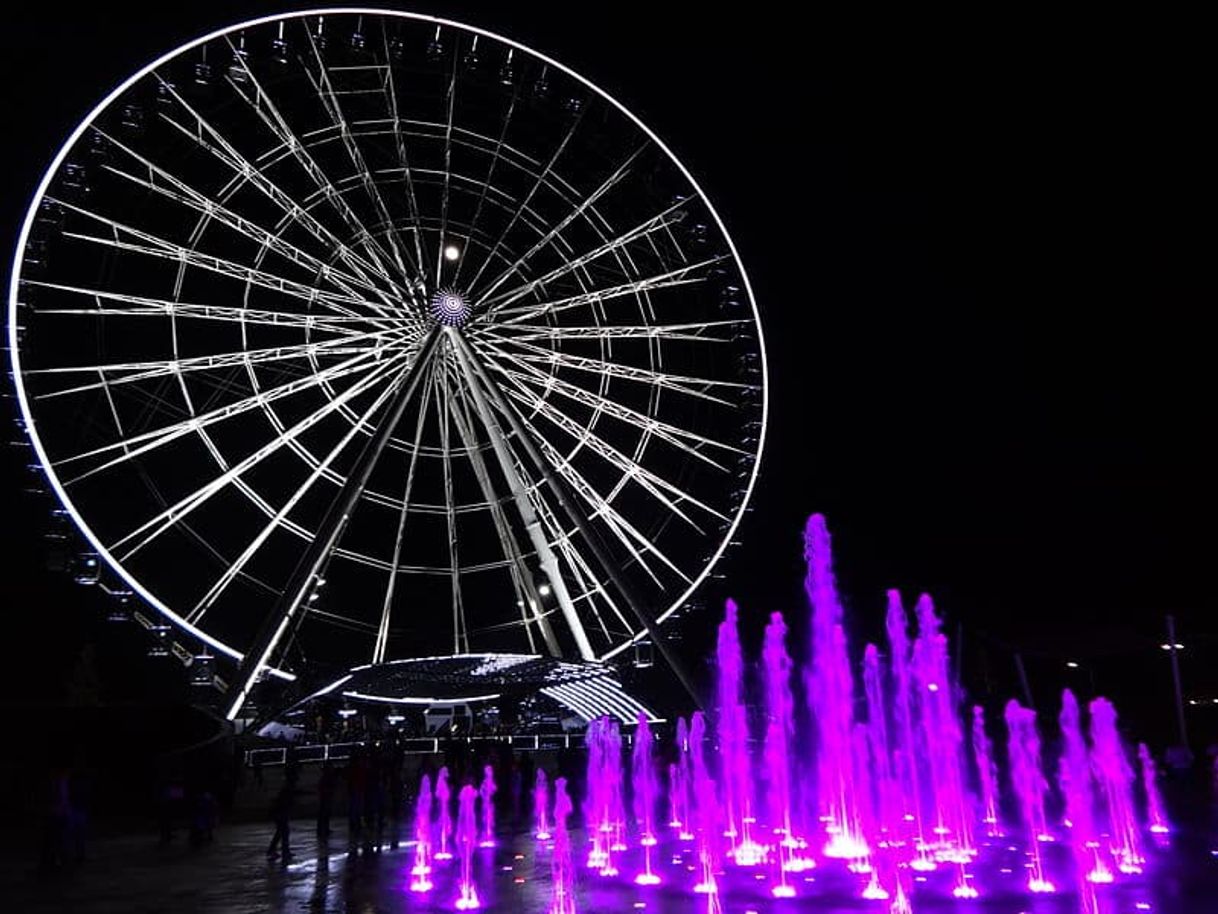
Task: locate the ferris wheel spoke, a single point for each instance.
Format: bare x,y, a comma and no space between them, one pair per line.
450,111
175,513
684,384
142,443
399,140
210,209
235,567
135,372
680,438
631,539
141,306
667,280
542,177
548,238
245,171
260,102
487,182
581,573
324,86
698,331
160,248
657,223
382,634
631,469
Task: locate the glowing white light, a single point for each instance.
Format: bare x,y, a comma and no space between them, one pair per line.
1071,664
452,252
544,590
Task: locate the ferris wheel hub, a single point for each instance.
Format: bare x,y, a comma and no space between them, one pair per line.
450,308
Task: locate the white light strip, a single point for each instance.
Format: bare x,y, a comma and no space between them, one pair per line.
421,701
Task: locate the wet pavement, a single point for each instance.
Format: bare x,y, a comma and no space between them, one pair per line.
133,874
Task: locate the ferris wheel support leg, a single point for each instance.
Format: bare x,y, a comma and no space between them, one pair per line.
526,591
532,525
470,358
289,608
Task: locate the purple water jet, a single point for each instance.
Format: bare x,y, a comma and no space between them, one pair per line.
706,812
421,871
1115,777
941,730
1155,817
466,838
735,772
830,689
541,800
487,794
1028,781
562,872
643,780
443,801
987,773
680,776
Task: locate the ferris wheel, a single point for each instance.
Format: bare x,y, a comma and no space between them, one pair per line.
352,335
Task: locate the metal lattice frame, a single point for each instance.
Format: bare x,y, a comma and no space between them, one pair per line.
306,235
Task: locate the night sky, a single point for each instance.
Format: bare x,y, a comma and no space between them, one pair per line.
982,255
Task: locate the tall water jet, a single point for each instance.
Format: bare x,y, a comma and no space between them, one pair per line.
1023,748
732,729
466,838
886,793
1115,778
1156,818
941,731
541,800
905,754
562,873
487,793
705,809
780,730
680,774
443,797
987,773
1075,780
643,780
830,689
595,815
604,813
421,871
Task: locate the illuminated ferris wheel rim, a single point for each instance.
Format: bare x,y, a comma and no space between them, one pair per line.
447,310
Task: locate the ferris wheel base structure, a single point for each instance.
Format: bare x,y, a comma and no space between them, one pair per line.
463,695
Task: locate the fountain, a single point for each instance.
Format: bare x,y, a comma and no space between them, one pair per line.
467,837
421,872
1154,799
1028,781
486,794
541,800
443,795
736,775
644,783
1116,783
830,689
882,788
562,873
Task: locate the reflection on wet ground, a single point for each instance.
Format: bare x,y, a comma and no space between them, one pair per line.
133,874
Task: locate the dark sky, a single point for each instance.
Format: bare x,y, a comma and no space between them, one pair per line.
982,252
